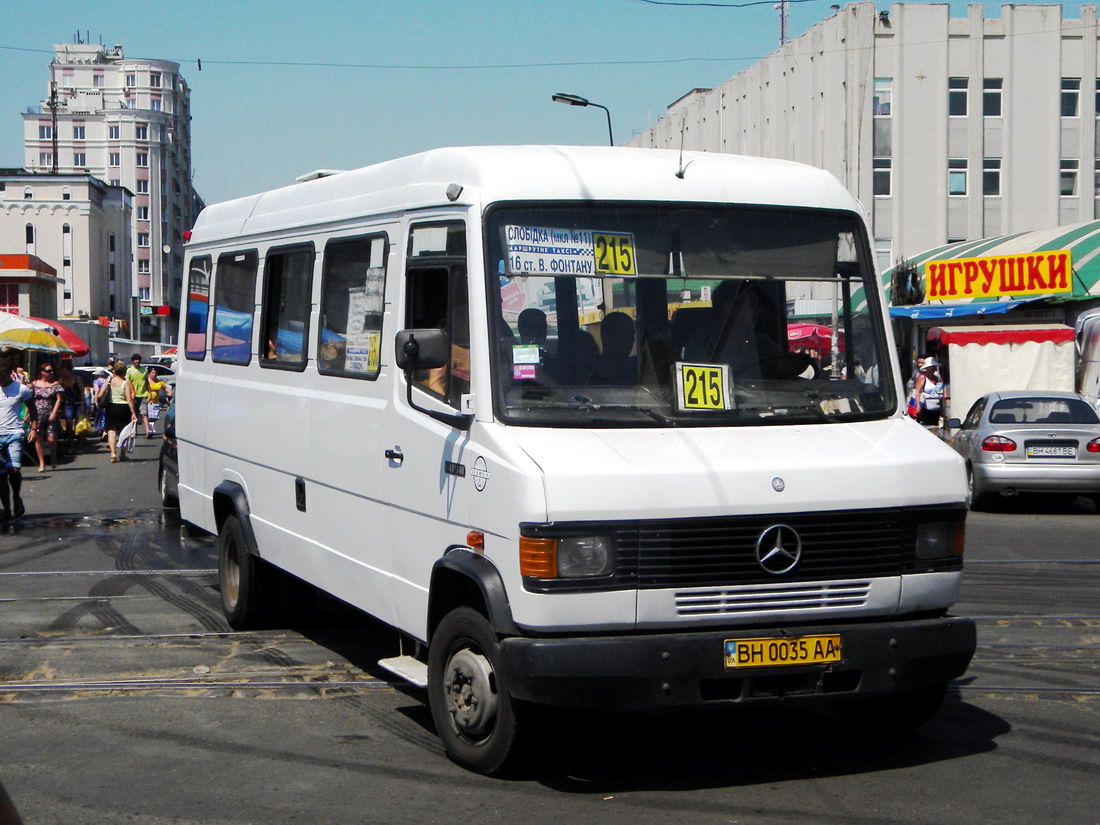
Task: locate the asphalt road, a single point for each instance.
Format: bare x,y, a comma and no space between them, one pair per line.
124,697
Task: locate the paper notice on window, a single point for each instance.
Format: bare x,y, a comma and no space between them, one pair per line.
363,353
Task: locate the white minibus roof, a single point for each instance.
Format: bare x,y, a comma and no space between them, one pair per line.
505,173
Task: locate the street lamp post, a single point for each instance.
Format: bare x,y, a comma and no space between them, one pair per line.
577,100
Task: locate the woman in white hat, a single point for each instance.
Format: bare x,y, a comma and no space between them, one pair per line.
929,390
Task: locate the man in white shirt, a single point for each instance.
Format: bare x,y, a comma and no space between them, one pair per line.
13,395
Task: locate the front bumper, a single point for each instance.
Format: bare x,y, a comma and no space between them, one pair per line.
683,670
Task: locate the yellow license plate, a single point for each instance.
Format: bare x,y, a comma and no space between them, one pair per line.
778,652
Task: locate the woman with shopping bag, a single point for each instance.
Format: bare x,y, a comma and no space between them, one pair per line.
118,395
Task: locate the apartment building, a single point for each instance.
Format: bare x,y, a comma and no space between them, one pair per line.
126,121
78,228
946,128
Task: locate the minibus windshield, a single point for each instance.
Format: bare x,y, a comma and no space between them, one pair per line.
641,315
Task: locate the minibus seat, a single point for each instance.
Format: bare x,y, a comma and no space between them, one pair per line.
575,360
685,321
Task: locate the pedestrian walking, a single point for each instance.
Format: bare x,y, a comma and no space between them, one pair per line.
156,386
72,403
118,397
47,405
13,395
102,378
139,377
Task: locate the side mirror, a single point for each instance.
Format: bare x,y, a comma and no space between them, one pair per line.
422,349
426,349
953,424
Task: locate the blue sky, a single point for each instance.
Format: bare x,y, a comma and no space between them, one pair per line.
261,117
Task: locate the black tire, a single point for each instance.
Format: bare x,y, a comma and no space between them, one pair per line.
886,716
474,715
167,499
975,498
248,585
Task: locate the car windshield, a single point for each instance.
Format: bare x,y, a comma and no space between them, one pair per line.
674,315
1042,411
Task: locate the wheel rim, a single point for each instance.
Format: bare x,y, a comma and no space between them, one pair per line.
231,584
470,693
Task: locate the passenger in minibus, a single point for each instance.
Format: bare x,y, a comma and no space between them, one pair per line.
616,365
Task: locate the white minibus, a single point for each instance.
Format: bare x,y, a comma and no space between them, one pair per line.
599,428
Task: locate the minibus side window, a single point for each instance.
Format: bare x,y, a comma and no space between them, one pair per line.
234,306
288,281
198,306
353,288
436,297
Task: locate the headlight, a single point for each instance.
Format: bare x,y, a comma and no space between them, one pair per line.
571,557
941,540
584,556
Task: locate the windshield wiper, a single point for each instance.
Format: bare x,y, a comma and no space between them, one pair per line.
586,405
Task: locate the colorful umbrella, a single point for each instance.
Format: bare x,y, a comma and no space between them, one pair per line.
9,320
71,339
34,339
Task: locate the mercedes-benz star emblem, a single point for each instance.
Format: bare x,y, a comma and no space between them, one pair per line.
778,549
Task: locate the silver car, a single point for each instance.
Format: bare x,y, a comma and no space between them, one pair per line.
1030,442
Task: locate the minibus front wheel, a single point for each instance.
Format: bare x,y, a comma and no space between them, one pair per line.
473,712
245,581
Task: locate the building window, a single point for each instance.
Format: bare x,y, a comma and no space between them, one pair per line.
991,176
956,176
143,267
28,194
141,186
114,159
129,103
154,80
991,96
1067,177
45,132
143,213
1071,95
113,132
143,293
97,81
131,81
141,131
45,158
154,104
66,195
884,96
957,88
883,170
111,242
1096,176
80,159
143,240
78,132
30,235
141,159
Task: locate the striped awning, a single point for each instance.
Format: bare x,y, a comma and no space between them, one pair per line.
1082,240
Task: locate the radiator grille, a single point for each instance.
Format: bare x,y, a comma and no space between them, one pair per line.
756,599
720,552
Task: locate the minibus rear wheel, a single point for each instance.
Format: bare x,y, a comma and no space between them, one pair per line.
473,713
248,587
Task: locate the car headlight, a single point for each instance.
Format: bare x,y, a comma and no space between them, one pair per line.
941,540
569,557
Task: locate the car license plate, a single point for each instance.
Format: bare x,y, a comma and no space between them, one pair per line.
1051,451
771,651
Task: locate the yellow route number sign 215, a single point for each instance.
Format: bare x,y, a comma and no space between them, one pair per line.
703,387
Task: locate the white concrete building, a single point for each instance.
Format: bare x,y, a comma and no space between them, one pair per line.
946,128
80,228
128,122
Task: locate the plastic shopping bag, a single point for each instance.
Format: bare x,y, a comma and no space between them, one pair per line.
82,425
913,408
127,437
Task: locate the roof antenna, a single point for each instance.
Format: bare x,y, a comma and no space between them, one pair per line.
681,170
